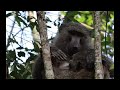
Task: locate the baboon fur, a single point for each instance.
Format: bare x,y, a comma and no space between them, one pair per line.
72,54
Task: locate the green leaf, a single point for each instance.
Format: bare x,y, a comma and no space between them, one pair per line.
36,47
9,14
33,24
20,47
112,67
48,26
55,23
89,21
111,15
18,21
26,74
21,67
29,77
13,73
11,55
85,12
47,19
108,38
21,54
13,40
21,20
81,19
63,13
28,18
13,67
26,49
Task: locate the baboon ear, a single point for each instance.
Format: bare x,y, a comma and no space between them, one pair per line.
61,27
91,33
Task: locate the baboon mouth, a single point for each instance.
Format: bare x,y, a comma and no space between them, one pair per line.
73,51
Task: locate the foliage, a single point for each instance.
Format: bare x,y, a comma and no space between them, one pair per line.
19,69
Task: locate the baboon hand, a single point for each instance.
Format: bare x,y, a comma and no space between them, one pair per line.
58,54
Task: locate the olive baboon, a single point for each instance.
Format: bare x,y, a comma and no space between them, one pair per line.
72,54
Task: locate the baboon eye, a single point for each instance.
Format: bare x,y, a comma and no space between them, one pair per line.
69,38
81,41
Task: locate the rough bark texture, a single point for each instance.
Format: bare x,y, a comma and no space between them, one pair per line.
99,74
45,45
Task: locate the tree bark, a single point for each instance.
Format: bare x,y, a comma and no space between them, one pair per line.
45,45
99,74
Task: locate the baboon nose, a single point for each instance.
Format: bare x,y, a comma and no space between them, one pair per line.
75,49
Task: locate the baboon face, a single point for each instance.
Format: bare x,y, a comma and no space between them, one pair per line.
76,41
72,38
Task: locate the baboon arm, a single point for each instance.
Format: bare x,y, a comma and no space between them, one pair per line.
38,69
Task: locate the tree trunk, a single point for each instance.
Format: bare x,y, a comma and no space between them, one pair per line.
45,45
99,74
